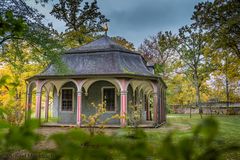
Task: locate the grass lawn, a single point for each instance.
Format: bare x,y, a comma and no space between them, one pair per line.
181,125
229,126
229,129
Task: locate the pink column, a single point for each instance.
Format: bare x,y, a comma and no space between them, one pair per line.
28,106
38,105
155,107
123,111
38,100
161,105
164,105
79,107
46,106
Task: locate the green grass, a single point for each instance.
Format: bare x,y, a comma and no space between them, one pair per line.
182,125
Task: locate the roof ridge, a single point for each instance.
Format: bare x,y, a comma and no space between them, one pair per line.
104,43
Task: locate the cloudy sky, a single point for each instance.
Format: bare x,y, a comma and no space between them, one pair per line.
136,20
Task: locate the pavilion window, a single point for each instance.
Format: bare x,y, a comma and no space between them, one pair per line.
109,98
67,99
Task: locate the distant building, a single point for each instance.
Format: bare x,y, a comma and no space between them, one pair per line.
98,72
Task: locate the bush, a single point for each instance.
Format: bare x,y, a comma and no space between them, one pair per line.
128,144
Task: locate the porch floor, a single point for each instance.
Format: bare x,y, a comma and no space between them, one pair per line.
147,124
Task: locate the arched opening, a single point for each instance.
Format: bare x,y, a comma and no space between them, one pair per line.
65,103
101,92
142,99
46,93
31,100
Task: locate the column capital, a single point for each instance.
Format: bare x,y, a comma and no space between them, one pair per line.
79,93
123,92
38,93
124,83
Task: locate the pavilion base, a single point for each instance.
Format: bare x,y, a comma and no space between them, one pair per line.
144,125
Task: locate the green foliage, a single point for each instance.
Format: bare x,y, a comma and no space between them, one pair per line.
221,19
126,144
159,50
27,46
134,115
93,122
82,21
207,52
11,27
190,50
180,90
2,114
81,145
123,42
3,80
201,145
26,33
13,138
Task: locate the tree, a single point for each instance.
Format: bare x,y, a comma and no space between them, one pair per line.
11,27
159,50
123,42
82,22
190,49
180,90
24,24
221,19
227,69
27,46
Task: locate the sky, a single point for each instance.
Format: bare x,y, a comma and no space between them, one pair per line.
136,20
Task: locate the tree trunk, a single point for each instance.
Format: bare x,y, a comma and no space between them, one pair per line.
197,87
198,100
190,107
227,91
190,111
227,81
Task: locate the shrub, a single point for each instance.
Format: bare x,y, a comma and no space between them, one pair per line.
94,120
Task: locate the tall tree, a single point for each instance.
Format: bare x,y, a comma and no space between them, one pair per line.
227,69
24,24
10,27
159,50
82,20
27,46
190,49
221,19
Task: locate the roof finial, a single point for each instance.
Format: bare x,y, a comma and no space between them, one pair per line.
105,28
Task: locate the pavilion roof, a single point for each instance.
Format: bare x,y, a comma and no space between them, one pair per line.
101,57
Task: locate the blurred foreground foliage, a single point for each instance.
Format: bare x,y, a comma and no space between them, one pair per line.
128,143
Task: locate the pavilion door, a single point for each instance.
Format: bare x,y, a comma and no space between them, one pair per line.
109,98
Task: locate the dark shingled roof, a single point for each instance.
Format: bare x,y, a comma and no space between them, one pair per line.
101,57
103,44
